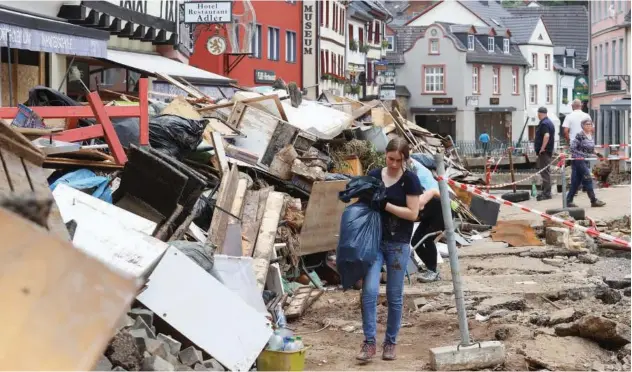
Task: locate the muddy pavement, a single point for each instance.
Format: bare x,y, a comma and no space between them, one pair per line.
553,308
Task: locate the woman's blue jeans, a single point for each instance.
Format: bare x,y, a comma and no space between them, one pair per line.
581,176
396,256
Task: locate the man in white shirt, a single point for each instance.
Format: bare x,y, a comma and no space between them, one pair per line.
573,121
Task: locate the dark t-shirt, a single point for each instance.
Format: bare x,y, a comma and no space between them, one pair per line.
545,126
394,228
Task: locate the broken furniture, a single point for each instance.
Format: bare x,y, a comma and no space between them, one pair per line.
101,113
160,189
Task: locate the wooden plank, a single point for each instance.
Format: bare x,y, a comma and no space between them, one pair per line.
236,114
298,303
321,228
178,84
238,202
252,212
266,237
283,135
258,127
225,196
42,68
218,145
73,301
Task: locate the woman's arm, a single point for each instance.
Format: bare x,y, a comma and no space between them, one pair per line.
409,212
427,196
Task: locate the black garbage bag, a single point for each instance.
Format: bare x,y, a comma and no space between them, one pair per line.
175,135
203,212
197,252
360,229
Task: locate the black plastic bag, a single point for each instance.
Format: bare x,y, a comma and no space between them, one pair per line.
368,189
203,212
360,229
175,135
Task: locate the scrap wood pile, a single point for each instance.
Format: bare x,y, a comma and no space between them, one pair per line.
232,211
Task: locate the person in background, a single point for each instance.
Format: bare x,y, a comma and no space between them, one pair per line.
399,211
573,125
430,220
583,146
543,145
484,139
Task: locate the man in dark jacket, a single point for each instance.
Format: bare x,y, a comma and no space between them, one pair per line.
543,146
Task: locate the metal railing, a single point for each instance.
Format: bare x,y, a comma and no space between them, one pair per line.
495,148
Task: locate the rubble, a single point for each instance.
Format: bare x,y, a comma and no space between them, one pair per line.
604,331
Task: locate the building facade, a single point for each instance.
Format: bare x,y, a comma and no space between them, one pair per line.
541,82
610,69
366,48
470,80
275,45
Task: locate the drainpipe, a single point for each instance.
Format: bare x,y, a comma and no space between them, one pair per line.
526,100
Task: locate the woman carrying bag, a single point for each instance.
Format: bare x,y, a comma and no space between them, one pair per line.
399,211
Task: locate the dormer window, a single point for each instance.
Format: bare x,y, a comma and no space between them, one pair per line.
506,45
470,42
490,44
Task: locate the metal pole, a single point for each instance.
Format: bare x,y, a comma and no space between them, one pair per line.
454,260
564,182
511,170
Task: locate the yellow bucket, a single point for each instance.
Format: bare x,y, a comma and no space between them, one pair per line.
270,360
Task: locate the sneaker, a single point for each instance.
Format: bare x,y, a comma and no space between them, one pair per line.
597,203
388,351
541,197
429,276
367,352
571,205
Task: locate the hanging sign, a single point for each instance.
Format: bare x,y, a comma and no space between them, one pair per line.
208,12
216,45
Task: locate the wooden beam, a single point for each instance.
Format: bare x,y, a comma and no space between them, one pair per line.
218,145
266,237
42,68
223,204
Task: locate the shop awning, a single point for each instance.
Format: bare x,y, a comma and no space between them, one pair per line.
496,109
23,30
432,109
154,65
618,105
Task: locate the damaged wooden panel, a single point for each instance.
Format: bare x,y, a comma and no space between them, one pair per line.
515,233
223,204
283,135
21,178
252,213
57,302
321,228
266,237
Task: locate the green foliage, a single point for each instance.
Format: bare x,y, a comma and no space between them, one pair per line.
353,45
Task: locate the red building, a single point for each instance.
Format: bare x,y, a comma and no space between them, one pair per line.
276,46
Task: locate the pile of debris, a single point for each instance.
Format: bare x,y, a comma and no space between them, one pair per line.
232,211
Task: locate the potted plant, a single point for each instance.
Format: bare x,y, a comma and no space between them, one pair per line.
384,44
364,48
353,45
565,101
355,89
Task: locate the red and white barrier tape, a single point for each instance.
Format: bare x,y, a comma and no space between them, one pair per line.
589,231
605,146
499,186
603,159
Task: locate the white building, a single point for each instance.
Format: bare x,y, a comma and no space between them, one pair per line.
365,46
541,81
333,45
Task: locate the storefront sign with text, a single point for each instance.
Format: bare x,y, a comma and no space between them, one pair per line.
264,77
494,101
442,101
208,12
308,29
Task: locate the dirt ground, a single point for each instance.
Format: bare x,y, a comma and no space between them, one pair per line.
332,325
